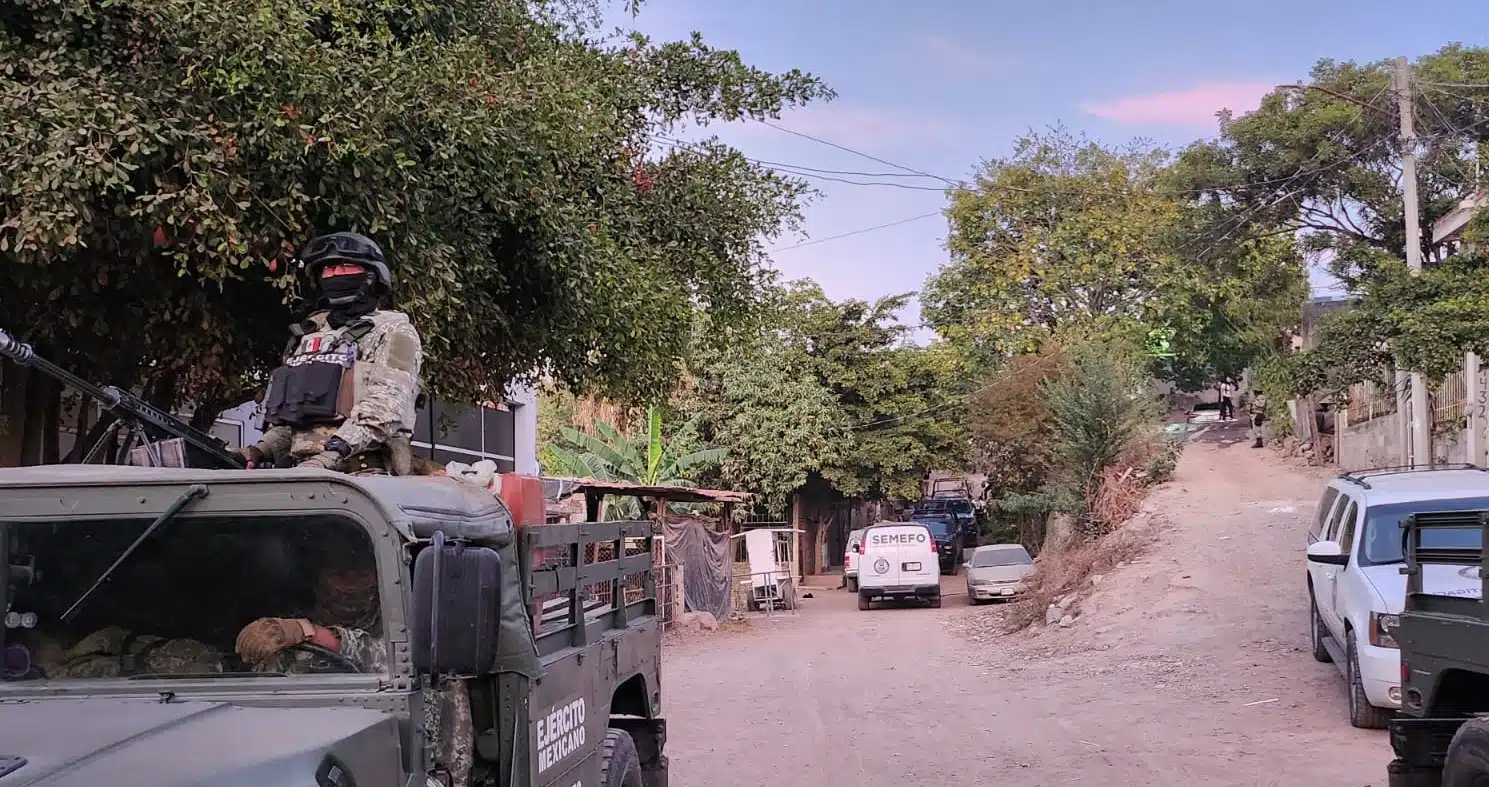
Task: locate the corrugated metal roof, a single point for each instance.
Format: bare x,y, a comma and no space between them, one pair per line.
677,494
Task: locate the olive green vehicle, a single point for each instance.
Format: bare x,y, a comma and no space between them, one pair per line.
1440,735
124,589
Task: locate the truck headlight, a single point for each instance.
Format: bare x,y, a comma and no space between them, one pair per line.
1383,630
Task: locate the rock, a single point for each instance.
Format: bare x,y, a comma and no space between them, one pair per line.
1067,621
1096,579
1054,614
696,621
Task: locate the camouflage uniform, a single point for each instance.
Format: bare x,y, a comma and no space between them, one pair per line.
1258,419
388,359
449,733
361,639
112,651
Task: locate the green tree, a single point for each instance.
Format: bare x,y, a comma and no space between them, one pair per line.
1097,410
1069,236
1325,163
164,157
780,423
869,413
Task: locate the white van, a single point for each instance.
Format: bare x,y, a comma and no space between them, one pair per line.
850,559
899,560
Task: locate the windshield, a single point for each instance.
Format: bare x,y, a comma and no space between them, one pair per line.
201,596
939,527
1383,543
1001,557
954,506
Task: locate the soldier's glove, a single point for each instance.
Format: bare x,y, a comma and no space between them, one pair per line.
260,640
325,460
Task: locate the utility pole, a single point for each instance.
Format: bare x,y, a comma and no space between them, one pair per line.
1418,420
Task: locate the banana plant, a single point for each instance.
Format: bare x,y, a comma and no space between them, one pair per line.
648,460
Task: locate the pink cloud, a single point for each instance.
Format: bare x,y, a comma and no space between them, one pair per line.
1194,107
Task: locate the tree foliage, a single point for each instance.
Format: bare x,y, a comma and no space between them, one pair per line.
164,158
1068,235
831,388
1325,163
1097,411
780,423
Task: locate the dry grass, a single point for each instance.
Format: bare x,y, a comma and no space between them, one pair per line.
1067,572
1118,498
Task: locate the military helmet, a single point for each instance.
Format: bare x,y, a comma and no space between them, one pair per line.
346,247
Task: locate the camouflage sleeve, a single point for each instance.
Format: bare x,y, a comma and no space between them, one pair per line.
387,387
369,652
276,442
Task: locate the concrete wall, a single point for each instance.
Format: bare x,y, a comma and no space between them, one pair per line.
1374,443
1377,443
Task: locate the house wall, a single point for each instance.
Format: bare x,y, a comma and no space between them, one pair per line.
506,434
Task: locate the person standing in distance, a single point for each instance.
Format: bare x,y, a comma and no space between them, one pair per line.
345,395
1227,399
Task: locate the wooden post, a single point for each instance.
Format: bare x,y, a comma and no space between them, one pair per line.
796,536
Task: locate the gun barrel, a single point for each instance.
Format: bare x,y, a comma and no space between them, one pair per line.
125,405
21,353
13,349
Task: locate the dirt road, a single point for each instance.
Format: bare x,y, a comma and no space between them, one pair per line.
1189,666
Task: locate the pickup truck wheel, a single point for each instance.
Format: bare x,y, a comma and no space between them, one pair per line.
1361,713
1467,763
863,602
852,584
620,766
936,602
1316,631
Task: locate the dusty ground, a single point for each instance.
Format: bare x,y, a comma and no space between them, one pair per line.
1189,666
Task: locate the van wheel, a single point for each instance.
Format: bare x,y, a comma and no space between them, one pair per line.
620,766
852,584
863,602
1468,756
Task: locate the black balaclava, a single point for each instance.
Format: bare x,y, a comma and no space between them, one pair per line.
349,297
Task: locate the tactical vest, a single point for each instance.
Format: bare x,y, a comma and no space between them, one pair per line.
315,385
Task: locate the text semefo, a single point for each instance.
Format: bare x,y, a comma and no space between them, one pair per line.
889,539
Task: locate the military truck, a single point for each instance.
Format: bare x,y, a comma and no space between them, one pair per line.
126,588
1440,735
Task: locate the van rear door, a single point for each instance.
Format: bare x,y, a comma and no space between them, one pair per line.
905,549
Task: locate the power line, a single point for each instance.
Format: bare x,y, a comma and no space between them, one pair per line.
857,232
1448,84
821,174
846,149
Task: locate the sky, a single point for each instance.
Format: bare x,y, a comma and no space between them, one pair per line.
939,85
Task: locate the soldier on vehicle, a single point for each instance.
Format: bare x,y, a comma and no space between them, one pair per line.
345,620
345,396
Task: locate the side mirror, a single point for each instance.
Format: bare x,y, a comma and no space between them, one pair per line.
1327,553
456,609
966,564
